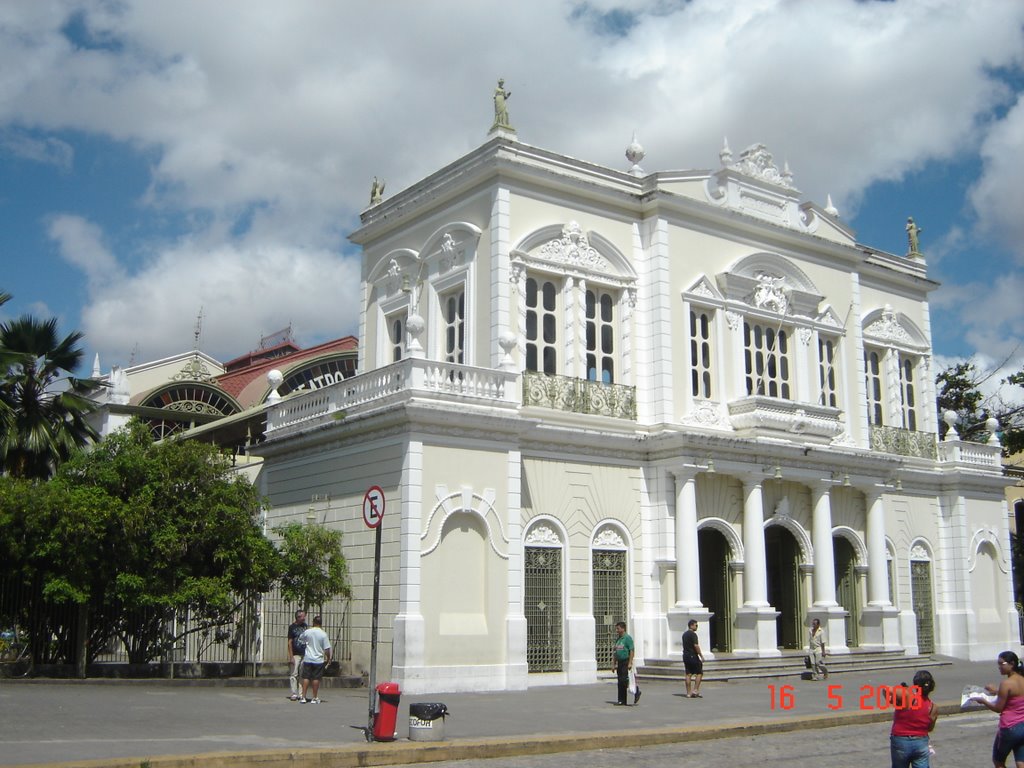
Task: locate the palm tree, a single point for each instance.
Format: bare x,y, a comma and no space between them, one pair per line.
44,406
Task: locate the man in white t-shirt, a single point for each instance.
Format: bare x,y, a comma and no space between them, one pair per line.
317,656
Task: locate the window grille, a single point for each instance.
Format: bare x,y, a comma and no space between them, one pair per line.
609,577
543,609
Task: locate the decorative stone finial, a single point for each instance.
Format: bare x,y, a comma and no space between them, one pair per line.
274,378
787,175
501,119
725,154
635,153
992,425
96,366
830,209
415,326
507,341
913,237
951,419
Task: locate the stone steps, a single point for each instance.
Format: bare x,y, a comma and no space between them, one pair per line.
726,667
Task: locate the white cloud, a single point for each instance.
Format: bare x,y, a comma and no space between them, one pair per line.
266,121
80,243
47,150
243,293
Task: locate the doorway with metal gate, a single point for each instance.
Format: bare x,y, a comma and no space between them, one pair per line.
921,599
608,572
782,561
542,601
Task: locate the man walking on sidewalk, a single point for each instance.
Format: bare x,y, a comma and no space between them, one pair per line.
624,650
693,661
318,656
296,652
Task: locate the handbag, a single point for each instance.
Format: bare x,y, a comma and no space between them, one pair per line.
632,680
807,661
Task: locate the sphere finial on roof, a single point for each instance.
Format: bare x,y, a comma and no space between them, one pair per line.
635,153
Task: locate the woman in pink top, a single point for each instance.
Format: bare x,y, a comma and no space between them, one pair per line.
1010,706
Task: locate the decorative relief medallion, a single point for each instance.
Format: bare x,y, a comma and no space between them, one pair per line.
451,255
804,335
770,293
543,535
756,161
734,320
888,328
608,538
194,370
918,552
573,248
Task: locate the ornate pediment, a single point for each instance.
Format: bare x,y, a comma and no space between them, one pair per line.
756,161
194,370
888,328
573,249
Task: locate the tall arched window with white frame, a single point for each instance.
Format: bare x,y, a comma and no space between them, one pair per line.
542,324
828,358
701,328
766,356
601,332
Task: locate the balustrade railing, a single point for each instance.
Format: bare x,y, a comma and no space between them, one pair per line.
406,377
903,442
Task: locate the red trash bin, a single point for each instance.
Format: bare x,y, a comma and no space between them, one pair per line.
386,716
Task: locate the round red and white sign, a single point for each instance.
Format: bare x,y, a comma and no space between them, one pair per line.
373,507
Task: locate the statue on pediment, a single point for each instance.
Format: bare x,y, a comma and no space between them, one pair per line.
501,119
913,237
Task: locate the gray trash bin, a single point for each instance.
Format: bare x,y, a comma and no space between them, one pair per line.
426,721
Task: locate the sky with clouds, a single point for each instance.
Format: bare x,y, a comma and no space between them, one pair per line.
162,159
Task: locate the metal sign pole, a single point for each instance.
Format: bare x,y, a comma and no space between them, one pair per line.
373,516
373,634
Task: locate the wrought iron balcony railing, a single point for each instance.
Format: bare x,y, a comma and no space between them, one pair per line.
565,393
903,442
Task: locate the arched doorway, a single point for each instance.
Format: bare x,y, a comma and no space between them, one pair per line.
542,606
847,588
921,598
715,592
609,601
782,563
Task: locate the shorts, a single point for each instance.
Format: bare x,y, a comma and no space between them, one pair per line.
1009,740
693,664
312,671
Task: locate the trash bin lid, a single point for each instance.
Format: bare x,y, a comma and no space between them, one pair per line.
428,711
388,688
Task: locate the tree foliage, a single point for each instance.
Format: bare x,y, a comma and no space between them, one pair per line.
313,569
138,531
44,407
959,389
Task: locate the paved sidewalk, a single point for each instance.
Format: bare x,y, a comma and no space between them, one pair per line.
179,723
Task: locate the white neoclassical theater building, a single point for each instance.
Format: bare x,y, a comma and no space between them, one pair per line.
593,394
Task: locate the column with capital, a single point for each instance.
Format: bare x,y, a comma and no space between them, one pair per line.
825,608
881,620
688,605
755,620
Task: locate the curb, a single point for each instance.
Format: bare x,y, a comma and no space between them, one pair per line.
405,752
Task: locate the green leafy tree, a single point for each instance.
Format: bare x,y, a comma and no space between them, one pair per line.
959,389
185,536
44,405
313,569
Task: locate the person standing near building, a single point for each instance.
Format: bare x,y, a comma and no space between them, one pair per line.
318,656
1009,704
296,651
816,650
624,651
693,661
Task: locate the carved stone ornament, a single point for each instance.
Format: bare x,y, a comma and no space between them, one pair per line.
609,538
770,293
756,161
194,370
543,535
702,289
782,509
804,335
734,320
918,552
706,414
515,275
888,328
451,255
574,249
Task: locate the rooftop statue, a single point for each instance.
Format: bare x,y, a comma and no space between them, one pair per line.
913,231
376,191
501,97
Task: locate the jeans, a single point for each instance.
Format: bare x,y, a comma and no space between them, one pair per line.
1009,740
909,751
622,672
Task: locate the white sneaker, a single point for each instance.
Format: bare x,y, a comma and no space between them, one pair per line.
294,697
303,700
314,701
